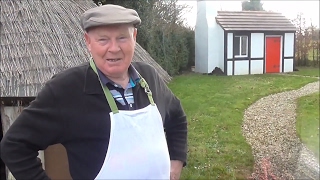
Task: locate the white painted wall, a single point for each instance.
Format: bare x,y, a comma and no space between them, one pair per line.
288,65
201,39
221,49
288,44
257,40
288,52
215,44
257,49
229,68
257,66
209,38
241,67
230,46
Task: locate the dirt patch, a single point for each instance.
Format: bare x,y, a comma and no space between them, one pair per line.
217,71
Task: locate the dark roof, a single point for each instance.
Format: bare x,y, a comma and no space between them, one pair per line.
254,21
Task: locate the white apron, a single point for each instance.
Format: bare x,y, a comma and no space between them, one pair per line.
137,146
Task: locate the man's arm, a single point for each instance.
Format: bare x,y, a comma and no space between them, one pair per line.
176,128
175,170
35,128
176,132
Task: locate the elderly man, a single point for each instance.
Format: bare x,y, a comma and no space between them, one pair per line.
116,118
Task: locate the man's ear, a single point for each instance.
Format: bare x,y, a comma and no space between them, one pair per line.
88,42
135,31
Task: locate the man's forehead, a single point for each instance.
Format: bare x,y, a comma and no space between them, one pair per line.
119,28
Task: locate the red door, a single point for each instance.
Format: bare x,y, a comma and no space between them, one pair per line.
273,45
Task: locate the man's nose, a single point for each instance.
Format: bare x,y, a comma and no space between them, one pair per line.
114,46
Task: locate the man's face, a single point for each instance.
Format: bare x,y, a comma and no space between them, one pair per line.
112,48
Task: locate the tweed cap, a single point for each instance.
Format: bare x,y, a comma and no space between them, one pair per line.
107,15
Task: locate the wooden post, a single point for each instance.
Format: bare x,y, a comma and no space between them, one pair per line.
8,116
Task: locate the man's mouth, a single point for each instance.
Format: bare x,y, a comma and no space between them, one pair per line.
114,60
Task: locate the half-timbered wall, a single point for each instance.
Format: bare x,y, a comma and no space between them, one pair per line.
254,60
257,53
288,52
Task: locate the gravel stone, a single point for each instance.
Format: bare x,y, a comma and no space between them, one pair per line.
269,128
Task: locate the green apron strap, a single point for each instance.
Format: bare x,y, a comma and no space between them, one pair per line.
109,96
143,83
146,88
106,91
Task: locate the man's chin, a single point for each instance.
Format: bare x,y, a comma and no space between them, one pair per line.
116,72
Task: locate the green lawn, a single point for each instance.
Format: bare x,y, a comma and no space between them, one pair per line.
215,106
307,71
308,121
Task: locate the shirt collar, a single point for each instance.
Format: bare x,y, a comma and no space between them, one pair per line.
133,74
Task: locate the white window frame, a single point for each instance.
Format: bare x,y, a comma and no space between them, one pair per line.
240,47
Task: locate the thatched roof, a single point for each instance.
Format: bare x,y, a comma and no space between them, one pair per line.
40,38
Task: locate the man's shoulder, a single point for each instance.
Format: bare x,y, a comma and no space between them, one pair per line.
141,64
70,74
144,68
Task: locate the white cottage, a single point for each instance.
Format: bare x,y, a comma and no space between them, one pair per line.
243,42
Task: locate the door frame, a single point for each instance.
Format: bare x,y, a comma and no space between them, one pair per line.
265,52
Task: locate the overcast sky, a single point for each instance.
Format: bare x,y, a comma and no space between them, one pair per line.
290,9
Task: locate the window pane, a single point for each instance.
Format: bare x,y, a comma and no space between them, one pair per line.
244,44
236,46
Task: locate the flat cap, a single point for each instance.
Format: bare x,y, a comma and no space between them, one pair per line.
107,15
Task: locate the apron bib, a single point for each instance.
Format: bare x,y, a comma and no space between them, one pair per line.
137,146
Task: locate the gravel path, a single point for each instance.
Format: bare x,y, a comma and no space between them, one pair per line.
269,127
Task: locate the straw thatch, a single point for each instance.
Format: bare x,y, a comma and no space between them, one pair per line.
40,38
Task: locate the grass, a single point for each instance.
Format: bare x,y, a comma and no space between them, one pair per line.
215,107
307,124
307,71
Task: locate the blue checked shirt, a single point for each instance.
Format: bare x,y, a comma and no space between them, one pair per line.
123,96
